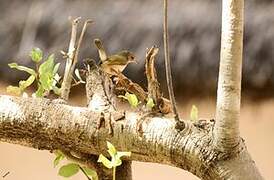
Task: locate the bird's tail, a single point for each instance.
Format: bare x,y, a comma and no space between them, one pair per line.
102,53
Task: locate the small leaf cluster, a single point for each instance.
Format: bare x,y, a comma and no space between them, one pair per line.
150,103
115,157
71,169
134,102
131,98
45,75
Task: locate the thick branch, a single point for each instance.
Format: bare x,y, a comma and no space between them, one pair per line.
41,124
226,132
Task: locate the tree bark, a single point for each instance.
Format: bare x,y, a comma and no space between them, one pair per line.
42,124
100,98
226,132
208,150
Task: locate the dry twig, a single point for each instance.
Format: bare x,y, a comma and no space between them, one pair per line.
180,124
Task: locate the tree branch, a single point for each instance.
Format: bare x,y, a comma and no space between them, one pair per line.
41,124
44,124
226,131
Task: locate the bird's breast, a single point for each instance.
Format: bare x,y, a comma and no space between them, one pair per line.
110,69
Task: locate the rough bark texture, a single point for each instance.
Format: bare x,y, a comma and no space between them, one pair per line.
101,98
41,124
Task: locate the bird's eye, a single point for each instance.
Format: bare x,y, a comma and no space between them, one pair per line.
131,57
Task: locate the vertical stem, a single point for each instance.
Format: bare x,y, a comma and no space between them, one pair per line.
84,172
72,57
114,173
167,63
80,42
226,131
66,84
124,171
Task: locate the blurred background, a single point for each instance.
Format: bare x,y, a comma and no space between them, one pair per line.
195,28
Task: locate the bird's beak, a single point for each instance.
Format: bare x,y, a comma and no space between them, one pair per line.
134,60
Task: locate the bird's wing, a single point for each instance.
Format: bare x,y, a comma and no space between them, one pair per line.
117,60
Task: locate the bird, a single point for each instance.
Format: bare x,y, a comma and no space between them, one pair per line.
116,63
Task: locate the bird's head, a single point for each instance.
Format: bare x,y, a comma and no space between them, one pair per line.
130,57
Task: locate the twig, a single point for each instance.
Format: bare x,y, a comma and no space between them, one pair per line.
168,66
5,175
124,83
66,84
153,85
84,172
81,39
72,57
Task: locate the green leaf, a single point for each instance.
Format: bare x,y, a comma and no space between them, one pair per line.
36,55
69,170
107,163
14,90
56,67
91,173
47,66
150,103
40,91
131,98
77,73
24,84
111,149
121,96
194,113
46,73
58,158
115,161
56,90
56,79
122,153
22,68
46,81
